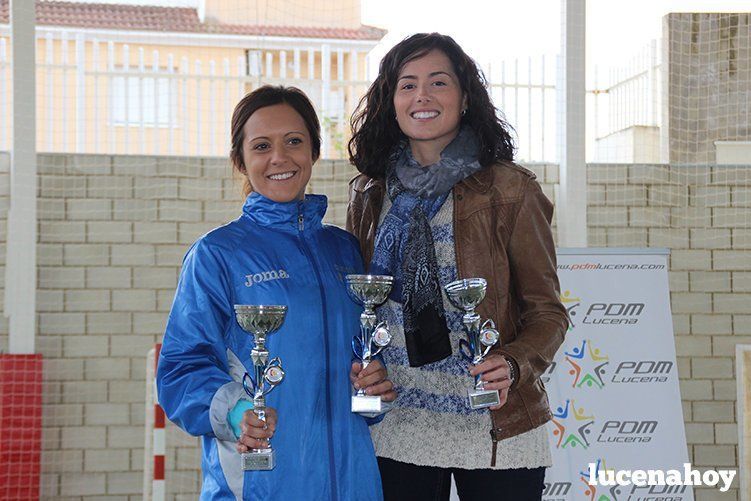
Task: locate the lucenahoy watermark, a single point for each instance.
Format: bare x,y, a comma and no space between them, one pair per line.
642,478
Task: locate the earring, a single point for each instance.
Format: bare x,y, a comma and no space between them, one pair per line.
464,111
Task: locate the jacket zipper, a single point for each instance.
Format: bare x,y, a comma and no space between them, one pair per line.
494,438
329,432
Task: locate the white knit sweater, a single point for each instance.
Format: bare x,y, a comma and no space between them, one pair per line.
432,423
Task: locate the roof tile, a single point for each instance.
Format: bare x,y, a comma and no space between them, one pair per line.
171,19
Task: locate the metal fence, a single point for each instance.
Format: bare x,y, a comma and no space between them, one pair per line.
525,92
628,95
98,96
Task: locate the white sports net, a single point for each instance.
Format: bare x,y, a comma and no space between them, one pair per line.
672,168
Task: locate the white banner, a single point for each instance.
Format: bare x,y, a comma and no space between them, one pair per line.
613,388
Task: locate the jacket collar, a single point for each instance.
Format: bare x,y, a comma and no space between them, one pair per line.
286,215
371,183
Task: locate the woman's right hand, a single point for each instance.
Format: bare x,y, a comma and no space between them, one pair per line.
374,379
256,433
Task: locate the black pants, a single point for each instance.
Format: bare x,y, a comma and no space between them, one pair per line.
409,482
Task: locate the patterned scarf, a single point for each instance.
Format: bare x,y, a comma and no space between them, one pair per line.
404,242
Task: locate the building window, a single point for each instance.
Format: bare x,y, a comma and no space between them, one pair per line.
157,98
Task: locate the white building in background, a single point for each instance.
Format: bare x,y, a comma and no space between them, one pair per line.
144,79
686,100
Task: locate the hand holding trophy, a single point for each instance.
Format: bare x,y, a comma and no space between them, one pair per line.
466,295
369,291
261,321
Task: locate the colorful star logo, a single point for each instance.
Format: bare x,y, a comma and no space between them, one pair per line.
587,365
572,426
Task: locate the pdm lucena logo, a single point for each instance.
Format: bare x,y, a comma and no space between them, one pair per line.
642,371
628,431
587,365
600,312
571,426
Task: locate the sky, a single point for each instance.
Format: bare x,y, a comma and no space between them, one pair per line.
502,29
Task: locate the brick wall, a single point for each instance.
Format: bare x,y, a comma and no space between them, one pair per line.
113,230
703,214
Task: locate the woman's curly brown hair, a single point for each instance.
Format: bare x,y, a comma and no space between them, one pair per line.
375,131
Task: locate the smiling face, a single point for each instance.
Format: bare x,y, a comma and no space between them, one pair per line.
277,153
428,103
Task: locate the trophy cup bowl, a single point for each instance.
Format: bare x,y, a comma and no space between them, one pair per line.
466,294
261,321
369,291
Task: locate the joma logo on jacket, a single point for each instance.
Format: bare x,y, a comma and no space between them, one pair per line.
264,276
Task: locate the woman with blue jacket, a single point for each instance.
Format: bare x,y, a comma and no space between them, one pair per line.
277,252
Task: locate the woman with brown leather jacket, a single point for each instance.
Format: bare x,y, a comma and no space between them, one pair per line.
439,199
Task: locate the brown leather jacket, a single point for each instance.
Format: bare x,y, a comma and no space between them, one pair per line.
501,233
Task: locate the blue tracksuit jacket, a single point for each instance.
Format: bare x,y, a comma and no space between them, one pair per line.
275,253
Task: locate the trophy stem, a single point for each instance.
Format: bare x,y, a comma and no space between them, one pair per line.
471,321
367,323
260,356
258,397
368,319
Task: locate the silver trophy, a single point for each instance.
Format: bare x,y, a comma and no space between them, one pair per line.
466,295
369,291
261,321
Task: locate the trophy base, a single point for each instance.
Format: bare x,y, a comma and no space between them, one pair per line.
481,399
259,459
366,404
385,407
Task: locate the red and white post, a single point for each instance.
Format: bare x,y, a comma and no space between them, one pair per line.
154,488
159,440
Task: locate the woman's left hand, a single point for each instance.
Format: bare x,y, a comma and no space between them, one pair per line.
373,380
494,372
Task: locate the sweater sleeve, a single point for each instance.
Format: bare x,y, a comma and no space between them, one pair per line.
193,381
